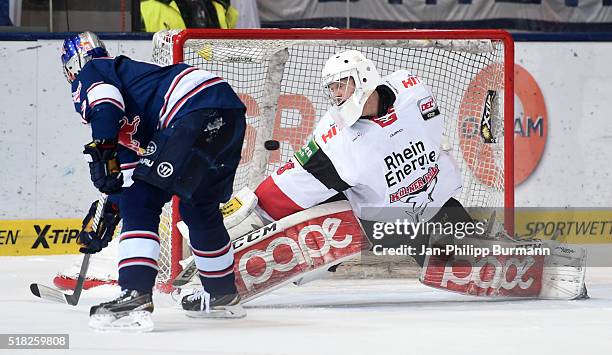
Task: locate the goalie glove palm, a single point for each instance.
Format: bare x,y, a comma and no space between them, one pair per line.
103,165
93,241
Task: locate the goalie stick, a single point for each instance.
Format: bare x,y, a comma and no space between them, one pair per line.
185,276
53,294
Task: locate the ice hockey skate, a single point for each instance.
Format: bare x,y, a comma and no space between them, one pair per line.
131,312
201,304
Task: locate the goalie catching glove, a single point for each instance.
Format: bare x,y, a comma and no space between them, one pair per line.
93,241
103,165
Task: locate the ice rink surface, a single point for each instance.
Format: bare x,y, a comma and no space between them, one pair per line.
395,316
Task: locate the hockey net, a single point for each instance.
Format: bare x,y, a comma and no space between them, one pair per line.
277,75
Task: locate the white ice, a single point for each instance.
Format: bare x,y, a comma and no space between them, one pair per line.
396,316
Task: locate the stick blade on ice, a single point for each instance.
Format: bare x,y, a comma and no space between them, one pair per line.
48,293
56,295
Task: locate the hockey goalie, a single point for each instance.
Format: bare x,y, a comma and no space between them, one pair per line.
380,137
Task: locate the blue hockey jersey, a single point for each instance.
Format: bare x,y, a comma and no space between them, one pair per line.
130,100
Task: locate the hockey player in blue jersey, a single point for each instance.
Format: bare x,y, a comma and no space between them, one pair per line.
157,132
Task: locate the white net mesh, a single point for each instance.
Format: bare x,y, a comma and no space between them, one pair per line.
165,240
279,82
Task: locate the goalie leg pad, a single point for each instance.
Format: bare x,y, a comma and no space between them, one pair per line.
292,247
550,271
297,248
564,272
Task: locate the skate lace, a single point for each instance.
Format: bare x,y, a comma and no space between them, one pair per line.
204,298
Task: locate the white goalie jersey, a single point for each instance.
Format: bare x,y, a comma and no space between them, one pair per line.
394,160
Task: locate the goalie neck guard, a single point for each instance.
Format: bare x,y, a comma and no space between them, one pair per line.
79,49
349,64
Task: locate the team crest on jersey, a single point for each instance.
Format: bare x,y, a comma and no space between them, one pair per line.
387,119
76,95
127,132
418,186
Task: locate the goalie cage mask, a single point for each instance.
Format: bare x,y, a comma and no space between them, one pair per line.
349,64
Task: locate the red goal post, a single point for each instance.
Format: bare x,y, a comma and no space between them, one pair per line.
277,75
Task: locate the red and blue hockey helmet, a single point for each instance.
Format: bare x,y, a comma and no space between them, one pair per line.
80,49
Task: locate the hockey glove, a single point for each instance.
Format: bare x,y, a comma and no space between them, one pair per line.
93,241
104,166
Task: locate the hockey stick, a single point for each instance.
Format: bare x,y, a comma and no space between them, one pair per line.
185,275
53,294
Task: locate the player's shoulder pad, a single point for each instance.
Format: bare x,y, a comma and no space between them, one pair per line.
409,89
89,75
405,82
317,155
98,65
326,123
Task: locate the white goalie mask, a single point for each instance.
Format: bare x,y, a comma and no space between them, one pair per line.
348,79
